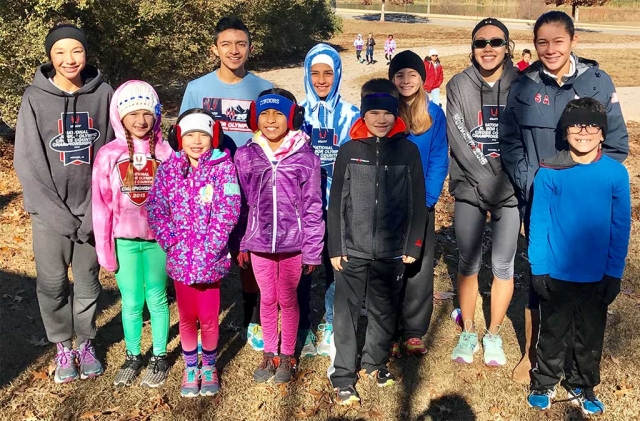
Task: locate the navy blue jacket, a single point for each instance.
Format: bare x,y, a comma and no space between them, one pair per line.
529,126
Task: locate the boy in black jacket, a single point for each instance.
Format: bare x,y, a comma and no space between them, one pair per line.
376,223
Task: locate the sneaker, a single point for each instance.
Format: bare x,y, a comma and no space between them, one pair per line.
209,384
309,349
415,346
190,383
467,346
267,368
88,363
324,346
65,365
384,377
347,395
129,370
395,350
493,352
157,371
586,400
254,337
286,369
541,399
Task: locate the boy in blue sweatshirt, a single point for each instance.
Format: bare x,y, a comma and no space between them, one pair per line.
580,227
327,120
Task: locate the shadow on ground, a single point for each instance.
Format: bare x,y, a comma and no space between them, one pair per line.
393,17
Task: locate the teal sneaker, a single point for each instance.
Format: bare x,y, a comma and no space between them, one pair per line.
541,399
493,352
309,349
190,382
254,337
586,400
324,346
467,346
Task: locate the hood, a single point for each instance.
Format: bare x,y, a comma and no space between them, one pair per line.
294,141
90,75
563,161
312,99
359,130
116,123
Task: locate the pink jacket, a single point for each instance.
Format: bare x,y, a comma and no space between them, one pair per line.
118,213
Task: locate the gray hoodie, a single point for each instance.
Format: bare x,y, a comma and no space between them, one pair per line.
473,109
58,135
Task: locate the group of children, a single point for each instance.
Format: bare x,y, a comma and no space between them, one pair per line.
249,175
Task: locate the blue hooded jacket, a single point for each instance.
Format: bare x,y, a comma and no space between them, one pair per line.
434,153
327,122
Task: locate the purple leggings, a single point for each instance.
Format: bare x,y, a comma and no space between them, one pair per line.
278,276
198,302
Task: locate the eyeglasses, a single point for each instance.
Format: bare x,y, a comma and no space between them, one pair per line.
590,128
493,42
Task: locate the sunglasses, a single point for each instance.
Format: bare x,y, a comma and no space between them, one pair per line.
493,42
589,128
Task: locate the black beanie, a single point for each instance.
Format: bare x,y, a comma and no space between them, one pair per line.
493,22
407,60
61,32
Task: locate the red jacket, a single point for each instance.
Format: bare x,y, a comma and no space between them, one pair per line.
434,76
522,65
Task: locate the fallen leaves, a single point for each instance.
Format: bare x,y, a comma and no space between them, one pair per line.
623,389
40,375
443,295
95,414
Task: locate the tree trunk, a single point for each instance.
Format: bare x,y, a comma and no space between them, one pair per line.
382,12
428,7
575,12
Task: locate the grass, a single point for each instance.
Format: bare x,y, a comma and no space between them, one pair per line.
431,388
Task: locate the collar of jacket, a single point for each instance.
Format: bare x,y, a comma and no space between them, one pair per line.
359,130
563,161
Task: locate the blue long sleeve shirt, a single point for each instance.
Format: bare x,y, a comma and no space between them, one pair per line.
434,153
580,221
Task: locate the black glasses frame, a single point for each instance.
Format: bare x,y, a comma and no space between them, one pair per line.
589,128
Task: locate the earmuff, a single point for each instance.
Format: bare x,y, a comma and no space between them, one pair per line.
294,122
175,133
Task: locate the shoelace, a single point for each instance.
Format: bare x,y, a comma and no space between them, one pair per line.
267,362
325,327
87,354
310,337
209,375
64,357
190,376
466,340
156,361
130,361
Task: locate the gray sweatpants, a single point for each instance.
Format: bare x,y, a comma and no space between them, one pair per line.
469,222
64,312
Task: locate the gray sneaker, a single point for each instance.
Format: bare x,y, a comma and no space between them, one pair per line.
88,363
157,371
65,365
129,370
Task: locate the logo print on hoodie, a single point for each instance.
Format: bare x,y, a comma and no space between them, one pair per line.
142,178
75,139
486,132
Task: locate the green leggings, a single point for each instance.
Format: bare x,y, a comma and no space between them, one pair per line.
142,276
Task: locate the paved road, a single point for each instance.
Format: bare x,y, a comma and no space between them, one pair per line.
516,24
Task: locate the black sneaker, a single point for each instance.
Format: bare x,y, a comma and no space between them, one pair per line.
267,368
286,369
129,370
346,395
157,371
384,377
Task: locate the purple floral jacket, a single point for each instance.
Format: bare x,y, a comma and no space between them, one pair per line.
192,211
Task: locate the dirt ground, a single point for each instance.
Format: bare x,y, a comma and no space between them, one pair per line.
431,387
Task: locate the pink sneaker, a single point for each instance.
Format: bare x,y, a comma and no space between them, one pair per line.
209,384
190,382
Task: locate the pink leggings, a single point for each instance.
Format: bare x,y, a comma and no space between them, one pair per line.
278,276
198,302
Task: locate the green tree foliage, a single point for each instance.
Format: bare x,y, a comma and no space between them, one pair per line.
164,42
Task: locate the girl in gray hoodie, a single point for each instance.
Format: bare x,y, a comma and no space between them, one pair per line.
63,121
475,99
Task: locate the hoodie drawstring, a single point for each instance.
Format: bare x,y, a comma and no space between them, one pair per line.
64,119
75,105
482,105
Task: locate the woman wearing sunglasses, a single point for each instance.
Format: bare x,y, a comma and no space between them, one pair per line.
528,126
475,100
